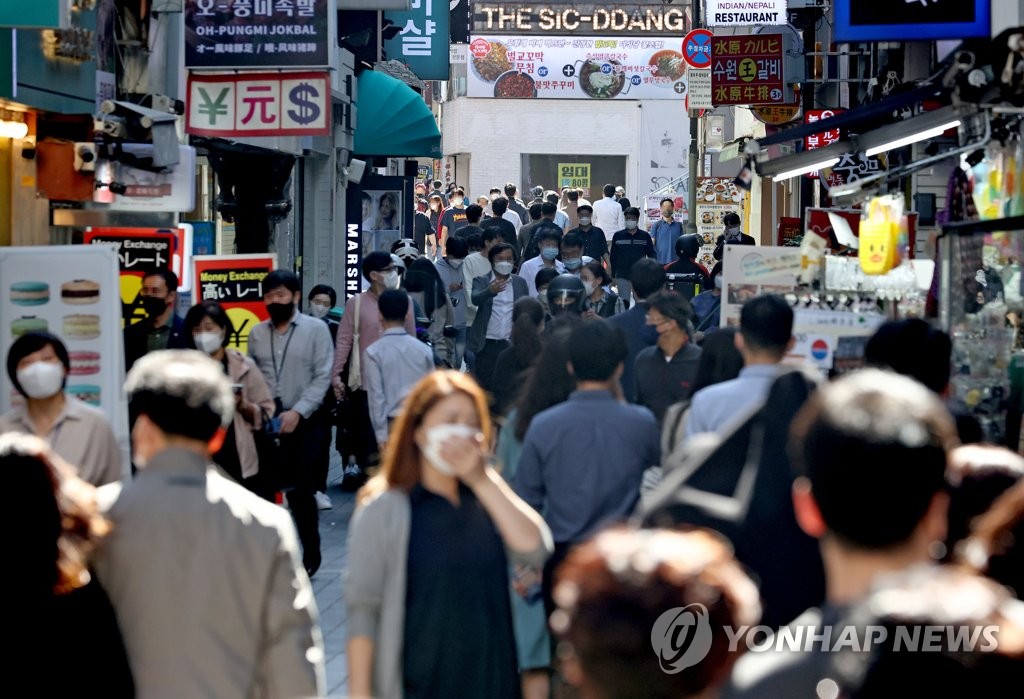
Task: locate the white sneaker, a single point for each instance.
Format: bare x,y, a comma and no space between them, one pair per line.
323,501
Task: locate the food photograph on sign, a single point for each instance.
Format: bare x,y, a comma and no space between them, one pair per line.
599,68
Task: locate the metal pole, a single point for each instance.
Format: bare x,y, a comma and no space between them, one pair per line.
691,189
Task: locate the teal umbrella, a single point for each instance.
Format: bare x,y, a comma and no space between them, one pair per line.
393,120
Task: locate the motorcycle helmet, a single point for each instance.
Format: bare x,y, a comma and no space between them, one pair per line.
566,294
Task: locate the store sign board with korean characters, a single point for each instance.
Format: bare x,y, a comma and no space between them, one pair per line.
579,19
259,33
422,41
259,104
745,13
826,137
748,69
576,67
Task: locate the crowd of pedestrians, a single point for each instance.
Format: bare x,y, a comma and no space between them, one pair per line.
553,449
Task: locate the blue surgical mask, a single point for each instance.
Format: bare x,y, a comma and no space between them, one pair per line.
573,262
549,253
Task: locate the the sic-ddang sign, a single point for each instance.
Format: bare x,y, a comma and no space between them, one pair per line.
636,18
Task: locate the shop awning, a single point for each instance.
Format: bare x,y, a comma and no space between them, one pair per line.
393,120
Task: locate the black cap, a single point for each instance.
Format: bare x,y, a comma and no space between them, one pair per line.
375,262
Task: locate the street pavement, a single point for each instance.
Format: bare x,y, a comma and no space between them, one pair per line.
327,581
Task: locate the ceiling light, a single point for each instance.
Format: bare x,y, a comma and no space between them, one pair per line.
913,138
805,169
13,129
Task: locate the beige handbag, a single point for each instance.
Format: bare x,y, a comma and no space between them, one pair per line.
355,375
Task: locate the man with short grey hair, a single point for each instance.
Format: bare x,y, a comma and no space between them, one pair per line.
204,575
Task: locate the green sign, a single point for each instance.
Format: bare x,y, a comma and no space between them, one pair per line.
41,14
422,41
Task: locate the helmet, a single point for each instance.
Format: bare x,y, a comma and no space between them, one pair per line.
406,249
688,246
398,262
566,293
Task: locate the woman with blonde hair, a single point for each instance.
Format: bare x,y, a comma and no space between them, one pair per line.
427,581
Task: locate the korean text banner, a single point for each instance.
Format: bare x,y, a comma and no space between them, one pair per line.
236,283
259,104
576,68
422,40
747,69
257,33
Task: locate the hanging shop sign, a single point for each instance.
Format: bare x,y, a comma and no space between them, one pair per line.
742,13
860,20
259,104
236,283
747,69
576,68
258,33
579,19
776,114
422,40
122,187
826,137
575,175
141,250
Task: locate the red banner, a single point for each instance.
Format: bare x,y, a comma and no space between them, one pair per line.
236,283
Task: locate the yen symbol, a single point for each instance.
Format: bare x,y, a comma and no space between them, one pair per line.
213,108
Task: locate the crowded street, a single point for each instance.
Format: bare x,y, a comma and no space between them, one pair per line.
402,349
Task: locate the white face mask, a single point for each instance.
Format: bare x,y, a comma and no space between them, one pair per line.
391,280
455,263
718,282
208,342
584,220
631,225
732,232
436,438
503,268
318,310
589,287
41,379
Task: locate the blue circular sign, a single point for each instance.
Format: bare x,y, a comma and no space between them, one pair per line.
606,68
697,48
542,71
635,80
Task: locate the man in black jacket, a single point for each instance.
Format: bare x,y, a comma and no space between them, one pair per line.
647,278
162,328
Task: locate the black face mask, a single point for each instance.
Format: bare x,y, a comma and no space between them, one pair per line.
280,312
153,306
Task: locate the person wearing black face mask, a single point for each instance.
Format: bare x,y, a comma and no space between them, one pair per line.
162,328
295,354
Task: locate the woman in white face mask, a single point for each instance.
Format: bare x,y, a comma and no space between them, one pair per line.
38,365
601,301
209,329
428,555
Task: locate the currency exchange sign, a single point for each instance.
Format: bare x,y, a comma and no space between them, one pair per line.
747,69
259,104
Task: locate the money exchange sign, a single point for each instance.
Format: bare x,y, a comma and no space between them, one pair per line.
747,69
259,104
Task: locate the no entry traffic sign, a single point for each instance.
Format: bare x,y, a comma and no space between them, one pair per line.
697,48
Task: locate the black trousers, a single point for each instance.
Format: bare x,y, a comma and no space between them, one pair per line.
323,459
355,431
301,449
486,360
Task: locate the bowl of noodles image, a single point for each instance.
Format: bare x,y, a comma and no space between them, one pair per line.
515,85
598,84
668,65
494,64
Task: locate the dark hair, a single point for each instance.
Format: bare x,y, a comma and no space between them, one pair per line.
544,276
548,209
573,194
913,348
647,277
666,199
596,349
720,361
494,190
674,307
549,234
977,476
584,207
456,246
731,219
169,277
548,382
996,545
184,393
490,233
609,190
459,191
375,262
598,270
58,522
30,343
766,324
631,211
614,589
527,317
437,184
535,211
626,204
393,305
324,289
207,309
552,197
497,250
572,240
510,190
873,445
475,241
281,278
473,213
499,206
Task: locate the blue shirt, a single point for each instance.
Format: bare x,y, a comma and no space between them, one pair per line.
665,235
717,408
583,460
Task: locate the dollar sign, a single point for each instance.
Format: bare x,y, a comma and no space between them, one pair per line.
302,96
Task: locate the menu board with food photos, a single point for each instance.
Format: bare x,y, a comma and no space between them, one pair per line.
716,197
564,67
72,292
